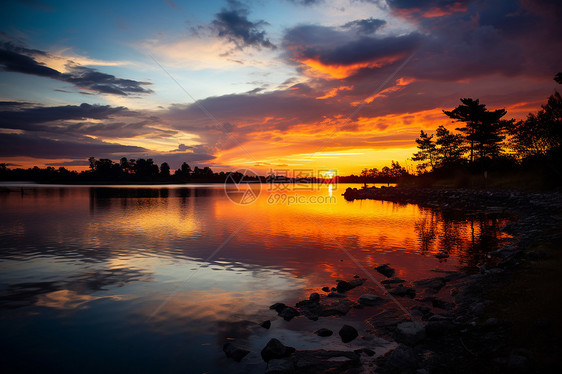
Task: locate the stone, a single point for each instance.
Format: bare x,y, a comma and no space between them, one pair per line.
280,366
392,281
402,359
348,333
326,289
400,290
314,296
385,270
336,294
266,324
409,333
275,350
370,300
367,351
491,322
234,352
278,307
433,284
324,332
289,313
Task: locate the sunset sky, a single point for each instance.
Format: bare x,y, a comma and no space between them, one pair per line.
261,84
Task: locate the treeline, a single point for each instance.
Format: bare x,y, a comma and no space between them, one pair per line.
387,174
106,171
489,150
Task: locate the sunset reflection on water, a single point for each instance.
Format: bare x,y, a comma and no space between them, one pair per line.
128,269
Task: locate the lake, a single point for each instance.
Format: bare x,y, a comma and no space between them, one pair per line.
157,278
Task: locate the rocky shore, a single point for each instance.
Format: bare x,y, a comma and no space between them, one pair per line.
448,324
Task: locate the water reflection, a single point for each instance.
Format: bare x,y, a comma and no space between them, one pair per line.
96,263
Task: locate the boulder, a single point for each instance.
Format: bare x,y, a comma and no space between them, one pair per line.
348,333
324,332
400,290
385,270
266,324
289,313
234,352
275,350
409,333
326,289
278,307
314,296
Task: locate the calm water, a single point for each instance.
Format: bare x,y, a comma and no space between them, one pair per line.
156,279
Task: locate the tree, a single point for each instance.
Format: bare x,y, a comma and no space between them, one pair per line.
483,131
427,152
449,146
165,169
540,132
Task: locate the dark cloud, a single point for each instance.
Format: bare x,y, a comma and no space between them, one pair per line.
233,24
11,59
20,60
27,118
365,26
332,47
31,145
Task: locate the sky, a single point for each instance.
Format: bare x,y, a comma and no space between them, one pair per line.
265,85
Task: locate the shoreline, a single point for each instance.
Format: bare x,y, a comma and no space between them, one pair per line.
458,321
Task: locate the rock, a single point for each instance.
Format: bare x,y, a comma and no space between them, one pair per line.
433,284
324,332
348,333
356,276
344,286
336,294
371,300
402,359
441,255
491,322
326,289
314,297
278,307
280,366
275,350
289,313
367,351
234,352
385,270
392,281
400,290
409,333
266,324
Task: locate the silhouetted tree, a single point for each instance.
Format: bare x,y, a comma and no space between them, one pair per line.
483,130
449,147
426,156
540,132
165,169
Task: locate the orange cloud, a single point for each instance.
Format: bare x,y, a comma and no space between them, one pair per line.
317,68
334,91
